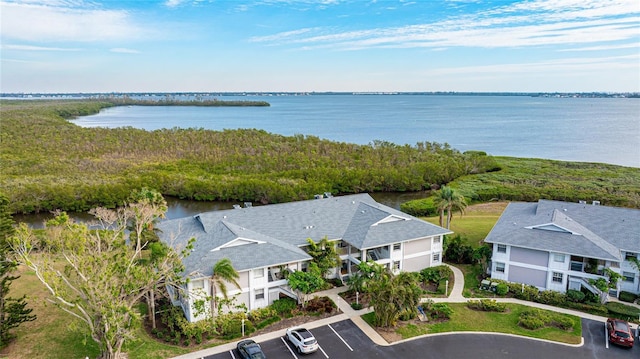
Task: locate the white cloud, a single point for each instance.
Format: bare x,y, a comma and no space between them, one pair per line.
58,21
35,48
123,50
173,3
531,23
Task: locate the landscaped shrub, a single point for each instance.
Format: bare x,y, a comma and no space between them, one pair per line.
356,306
531,323
284,306
552,297
623,310
320,305
563,323
260,314
487,305
575,296
533,319
441,311
502,289
592,308
232,329
627,297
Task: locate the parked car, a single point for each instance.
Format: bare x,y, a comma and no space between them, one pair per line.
620,332
249,349
302,339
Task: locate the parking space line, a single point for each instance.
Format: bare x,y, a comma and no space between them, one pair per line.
345,343
287,345
232,355
323,352
606,336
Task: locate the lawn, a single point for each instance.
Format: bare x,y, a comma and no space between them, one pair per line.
476,222
465,319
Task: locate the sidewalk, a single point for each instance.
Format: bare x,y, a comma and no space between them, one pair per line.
355,315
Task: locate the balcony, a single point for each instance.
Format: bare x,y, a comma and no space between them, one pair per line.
379,253
277,273
587,265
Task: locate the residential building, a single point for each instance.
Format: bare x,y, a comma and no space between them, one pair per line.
264,242
558,246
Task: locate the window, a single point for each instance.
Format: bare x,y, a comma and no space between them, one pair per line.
396,265
259,294
630,255
436,240
628,276
258,273
436,257
502,248
558,257
557,277
396,246
499,267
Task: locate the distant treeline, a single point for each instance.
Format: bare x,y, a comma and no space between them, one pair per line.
49,163
169,101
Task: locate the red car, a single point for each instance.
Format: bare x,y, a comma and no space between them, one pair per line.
619,332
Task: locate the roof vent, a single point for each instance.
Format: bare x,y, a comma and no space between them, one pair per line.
596,203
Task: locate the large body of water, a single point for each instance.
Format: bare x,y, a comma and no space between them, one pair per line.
605,130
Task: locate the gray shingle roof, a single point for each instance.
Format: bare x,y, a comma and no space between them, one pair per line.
279,230
589,231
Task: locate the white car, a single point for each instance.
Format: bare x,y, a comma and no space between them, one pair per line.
302,339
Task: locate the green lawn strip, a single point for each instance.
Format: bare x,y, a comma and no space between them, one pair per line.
467,320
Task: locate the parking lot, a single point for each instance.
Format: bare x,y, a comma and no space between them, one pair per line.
344,340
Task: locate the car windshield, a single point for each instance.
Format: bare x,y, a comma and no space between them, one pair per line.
622,334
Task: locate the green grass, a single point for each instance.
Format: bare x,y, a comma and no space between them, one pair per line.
476,222
464,319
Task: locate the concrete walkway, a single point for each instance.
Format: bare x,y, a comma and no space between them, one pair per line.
346,312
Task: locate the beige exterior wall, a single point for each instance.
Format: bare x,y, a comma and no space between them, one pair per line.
415,264
417,246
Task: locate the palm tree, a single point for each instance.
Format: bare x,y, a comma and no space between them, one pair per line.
223,273
450,200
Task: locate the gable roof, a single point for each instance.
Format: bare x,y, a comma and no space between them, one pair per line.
260,236
574,228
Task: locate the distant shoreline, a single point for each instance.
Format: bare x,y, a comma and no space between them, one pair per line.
157,96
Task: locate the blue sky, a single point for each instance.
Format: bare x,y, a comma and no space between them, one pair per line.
319,45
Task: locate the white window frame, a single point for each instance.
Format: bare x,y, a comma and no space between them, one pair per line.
396,265
436,257
558,257
630,254
500,267
436,240
259,294
258,273
502,248
397,246
557,277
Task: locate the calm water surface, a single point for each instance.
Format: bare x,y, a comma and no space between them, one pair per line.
603,130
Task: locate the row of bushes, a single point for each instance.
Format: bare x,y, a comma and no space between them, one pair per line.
487,305
573,299
174,328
